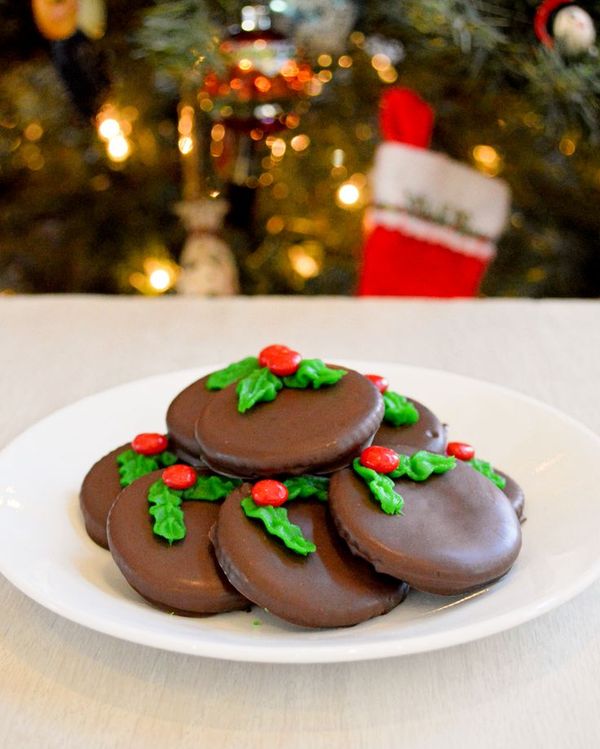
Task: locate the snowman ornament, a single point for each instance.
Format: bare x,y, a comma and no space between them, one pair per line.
566,26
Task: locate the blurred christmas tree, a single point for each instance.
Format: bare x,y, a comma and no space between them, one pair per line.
88,203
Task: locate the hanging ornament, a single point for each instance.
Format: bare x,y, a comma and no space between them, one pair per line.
572,29
320,26
60,19
207,264
91,18
264,79
55,19
429,237
70,25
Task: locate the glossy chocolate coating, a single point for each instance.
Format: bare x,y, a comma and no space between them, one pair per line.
458,531
181,418
301,431
427,434
99,490
328,588
184,577
515,494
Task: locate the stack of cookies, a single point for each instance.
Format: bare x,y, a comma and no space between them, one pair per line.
305,488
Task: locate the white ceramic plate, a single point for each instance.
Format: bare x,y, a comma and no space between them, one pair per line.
45,551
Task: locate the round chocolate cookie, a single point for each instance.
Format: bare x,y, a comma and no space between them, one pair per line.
328,588
99,490
301,431
181,418
427,434
458,531
184,577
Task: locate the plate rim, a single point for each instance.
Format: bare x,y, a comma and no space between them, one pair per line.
315,653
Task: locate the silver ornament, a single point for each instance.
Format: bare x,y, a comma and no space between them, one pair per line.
573,31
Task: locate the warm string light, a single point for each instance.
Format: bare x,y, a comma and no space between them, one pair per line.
26,152
278,148
567,146
338,170
217,138
118,148
185,145
384,67
487,160
300,142
350,195
305,259
33,131
185,127
113,130
158,277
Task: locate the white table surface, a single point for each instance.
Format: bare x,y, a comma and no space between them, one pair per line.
61,685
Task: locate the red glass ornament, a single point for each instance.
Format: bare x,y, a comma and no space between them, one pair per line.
149,443
264,76
380,382
179,476
460,450
380,459
541,20
269,492
280,360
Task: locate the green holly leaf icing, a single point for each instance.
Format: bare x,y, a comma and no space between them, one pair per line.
165,503
422,464
487,470
381,487
418,467
313,373
210,488
260,385
277,523
399,411
257,384
166,511
234,372
307,486
133,466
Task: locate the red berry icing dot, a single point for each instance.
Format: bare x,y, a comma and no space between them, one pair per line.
380,459
149,443
380,382
280,360
179,476
460,450
269,492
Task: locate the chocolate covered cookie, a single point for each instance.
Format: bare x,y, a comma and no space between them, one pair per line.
428,433
181,419
407,422
312,421
321,585
427,519
464,451
108,476
176,571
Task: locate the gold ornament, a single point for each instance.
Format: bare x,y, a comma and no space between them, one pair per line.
56,19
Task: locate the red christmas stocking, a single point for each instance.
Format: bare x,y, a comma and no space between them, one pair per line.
434,220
